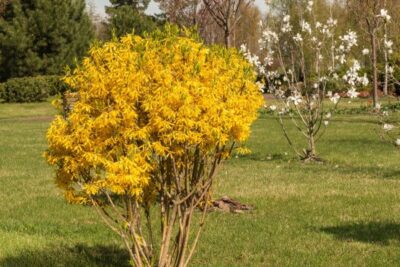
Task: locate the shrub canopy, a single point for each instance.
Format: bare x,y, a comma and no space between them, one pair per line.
144,99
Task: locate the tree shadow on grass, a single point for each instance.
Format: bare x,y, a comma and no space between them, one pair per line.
372,232
77,256
259,156
373,172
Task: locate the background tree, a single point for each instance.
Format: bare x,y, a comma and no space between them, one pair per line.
99,23
303,59
42,36
226,14
127,16
247,30
182,12
368,13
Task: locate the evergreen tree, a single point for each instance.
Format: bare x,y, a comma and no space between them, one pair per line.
39,37
139,5
127,16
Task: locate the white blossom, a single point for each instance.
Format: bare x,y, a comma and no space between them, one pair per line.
296,98
286,27
286,18
253,59
269,60
328,115
325,30
364,80
397,142
349,40
270,36
352,93
283,111
335,98
273,107
385,15
260,86
388,127
305,26
331,22
388,44
352,77
365,51
298,38
310,5
326,123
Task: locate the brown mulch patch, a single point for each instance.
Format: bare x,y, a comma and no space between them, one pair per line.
227,204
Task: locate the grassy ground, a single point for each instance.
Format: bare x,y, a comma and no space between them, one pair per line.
345,212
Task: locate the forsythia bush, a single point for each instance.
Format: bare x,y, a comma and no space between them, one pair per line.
155,118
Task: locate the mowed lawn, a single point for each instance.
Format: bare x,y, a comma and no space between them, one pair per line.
345,212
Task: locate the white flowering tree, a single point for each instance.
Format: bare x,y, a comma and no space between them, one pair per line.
298,68
390,130
374,18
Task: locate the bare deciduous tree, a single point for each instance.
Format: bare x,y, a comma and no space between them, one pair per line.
181,12
226,13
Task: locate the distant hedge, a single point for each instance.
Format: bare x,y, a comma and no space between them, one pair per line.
31,89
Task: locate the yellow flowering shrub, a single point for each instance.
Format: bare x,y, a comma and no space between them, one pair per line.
154,119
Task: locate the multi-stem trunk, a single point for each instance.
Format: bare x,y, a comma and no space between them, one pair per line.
311,153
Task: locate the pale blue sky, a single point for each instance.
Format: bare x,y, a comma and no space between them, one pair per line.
153,8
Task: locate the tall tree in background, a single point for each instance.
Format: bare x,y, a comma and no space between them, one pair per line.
127,16
226,13
42,36
247,30
99,24
371,21
182,12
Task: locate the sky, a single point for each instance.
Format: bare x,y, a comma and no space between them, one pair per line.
153,8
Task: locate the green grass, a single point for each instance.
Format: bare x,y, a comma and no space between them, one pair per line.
345,212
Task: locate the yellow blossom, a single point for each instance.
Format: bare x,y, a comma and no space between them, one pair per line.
142,99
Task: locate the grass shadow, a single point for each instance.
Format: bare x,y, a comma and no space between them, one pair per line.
77,256
375,172
260,156
369,232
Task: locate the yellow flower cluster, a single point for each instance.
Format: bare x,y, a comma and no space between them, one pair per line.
142,99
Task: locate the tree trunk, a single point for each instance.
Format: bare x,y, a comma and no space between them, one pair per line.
227,37
385,85
311,147
374,69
